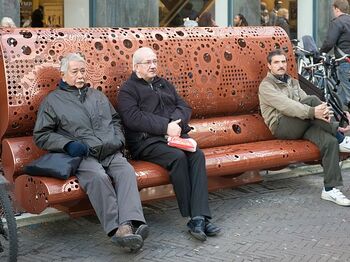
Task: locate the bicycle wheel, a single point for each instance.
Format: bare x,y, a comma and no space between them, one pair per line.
8,229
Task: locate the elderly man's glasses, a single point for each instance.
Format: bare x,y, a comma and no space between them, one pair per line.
149,62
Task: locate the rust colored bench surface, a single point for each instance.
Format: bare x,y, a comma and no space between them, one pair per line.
216,70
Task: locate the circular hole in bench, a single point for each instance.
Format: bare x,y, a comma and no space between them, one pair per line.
236,129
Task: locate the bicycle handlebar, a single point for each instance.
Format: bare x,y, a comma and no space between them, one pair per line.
296,47
326,58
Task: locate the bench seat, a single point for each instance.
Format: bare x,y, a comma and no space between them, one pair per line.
37,193
232,145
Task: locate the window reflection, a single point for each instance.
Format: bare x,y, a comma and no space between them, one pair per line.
173,12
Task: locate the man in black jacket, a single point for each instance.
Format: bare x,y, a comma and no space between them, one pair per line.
338,37
151,110
80,121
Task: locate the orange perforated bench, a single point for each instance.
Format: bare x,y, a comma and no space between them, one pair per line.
216,70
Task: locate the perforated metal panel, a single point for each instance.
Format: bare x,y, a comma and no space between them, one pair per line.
216,70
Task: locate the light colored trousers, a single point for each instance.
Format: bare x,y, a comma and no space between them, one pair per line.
113,203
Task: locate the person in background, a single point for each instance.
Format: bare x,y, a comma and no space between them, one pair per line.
264,14
189,12
206,20
38,17
239,20
79,120
292,114
273,13
151,111
282,20
7,22
338,37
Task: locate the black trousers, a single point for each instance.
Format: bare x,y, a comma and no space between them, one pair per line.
187,175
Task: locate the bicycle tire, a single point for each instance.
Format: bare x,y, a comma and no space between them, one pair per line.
8,236
336,103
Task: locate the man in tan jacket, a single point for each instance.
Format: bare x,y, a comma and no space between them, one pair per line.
291,114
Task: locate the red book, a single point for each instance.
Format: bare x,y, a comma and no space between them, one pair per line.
187,144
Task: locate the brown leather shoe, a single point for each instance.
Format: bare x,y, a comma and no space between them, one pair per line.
124,237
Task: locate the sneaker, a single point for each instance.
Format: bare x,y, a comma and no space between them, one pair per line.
335,196
344,146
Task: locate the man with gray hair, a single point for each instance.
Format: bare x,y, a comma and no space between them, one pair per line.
152,110
80,121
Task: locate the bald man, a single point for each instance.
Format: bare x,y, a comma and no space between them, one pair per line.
152,110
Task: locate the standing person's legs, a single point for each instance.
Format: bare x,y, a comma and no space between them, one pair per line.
344,86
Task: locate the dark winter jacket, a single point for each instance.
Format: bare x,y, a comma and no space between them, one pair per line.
146,110
338,35
283,22
84,115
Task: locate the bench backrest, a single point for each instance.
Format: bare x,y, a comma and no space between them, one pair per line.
216,70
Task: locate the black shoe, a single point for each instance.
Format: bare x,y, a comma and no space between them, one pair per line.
210,229
143,231
196,229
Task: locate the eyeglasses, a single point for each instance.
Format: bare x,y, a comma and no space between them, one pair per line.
149,62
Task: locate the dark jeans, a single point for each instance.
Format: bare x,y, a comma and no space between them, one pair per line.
187,174
321,134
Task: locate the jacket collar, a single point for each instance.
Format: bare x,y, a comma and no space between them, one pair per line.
79,92
64,86
275,79
136,78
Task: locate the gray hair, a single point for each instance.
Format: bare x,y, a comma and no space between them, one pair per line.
7,22
138,55
68,58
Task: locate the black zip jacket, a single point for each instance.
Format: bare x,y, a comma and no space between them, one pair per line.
338,35
146,110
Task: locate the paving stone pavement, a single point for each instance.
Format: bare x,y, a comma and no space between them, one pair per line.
281,220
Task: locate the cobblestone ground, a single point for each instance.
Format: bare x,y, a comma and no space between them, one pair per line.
281,220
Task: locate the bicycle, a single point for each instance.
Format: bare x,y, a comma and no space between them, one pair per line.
305,56
8,226
327,82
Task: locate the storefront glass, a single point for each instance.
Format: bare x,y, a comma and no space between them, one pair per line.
45,13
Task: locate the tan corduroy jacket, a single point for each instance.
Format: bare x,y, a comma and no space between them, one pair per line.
278,98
